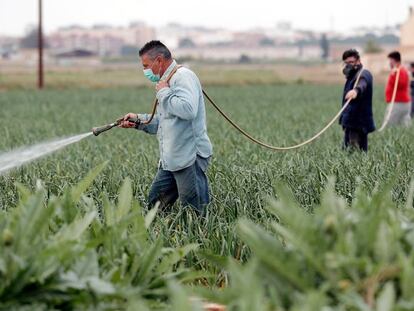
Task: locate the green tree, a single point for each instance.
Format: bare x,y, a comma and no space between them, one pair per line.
266,42
372,47
29,41
324,47
186,43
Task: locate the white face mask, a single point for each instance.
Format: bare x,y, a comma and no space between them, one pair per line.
150,75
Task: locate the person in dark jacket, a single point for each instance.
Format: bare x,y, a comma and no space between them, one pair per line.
357,119
412,89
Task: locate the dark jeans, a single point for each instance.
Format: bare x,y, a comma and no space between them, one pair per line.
189,184
412,106
356,138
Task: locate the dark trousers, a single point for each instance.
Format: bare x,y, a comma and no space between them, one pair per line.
190,185
412,106
356,139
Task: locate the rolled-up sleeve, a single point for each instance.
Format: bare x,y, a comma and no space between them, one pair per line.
182,101
150,128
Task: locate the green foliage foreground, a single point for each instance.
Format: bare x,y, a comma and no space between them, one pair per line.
357,257
65,253
68,253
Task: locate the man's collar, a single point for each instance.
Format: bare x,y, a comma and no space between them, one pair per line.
169,69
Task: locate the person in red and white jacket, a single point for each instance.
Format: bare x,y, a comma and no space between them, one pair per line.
401,113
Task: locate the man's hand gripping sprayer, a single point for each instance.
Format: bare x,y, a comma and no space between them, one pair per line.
98,130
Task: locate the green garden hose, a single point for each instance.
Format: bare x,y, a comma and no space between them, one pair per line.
260,143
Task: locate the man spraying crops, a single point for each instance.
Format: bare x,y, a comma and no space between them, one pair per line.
357,119
180,125
400,93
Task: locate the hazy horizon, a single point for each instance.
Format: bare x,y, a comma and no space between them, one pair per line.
16,15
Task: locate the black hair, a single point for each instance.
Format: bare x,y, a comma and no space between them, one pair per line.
395,56
155,48
412,64
350,53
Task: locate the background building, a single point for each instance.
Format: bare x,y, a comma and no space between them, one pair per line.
407,37
103,40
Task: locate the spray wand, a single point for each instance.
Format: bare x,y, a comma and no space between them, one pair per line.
98,130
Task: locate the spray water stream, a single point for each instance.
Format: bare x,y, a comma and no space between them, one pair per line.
18,157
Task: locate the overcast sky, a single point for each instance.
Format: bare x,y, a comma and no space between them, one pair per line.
323,15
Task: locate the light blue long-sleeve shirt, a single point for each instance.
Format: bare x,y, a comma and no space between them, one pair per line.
180,121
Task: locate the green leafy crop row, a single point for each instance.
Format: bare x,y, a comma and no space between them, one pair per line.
66,253
345,245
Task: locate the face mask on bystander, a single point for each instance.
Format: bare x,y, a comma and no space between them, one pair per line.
350,70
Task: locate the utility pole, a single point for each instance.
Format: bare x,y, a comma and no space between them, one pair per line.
40,49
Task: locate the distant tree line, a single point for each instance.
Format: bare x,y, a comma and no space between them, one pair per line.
29,41
353,40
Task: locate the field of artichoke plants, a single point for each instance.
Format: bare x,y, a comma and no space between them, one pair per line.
318,228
